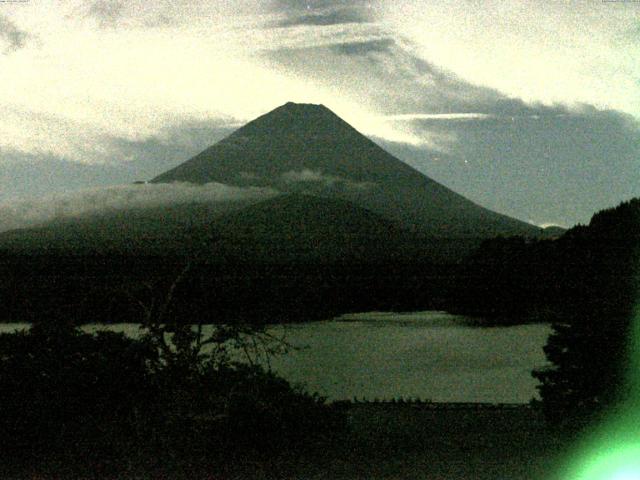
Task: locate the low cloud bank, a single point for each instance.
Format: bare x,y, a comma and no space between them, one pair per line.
309,177
36,211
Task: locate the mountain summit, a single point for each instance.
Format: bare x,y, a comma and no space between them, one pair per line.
295,142
306,148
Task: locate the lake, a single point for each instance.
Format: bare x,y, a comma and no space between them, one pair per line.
430,355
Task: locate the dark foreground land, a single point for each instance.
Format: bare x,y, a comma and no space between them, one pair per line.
405,441
450,442
397,441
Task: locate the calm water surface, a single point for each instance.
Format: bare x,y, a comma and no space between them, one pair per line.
424,354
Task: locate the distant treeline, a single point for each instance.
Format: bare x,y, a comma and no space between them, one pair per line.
109,289
514,280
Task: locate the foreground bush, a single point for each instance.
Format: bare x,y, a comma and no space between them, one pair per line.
106,404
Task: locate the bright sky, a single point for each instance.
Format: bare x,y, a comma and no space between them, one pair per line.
78,76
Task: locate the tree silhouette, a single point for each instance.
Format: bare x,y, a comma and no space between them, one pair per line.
589,346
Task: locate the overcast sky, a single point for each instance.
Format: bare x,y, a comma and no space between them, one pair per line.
528,108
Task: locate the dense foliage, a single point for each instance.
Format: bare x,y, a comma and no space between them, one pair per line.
590,346
105,405
109,289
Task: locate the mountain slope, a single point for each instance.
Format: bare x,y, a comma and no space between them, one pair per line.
298,215
307,148
297,228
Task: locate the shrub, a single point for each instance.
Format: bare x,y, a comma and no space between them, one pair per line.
105,399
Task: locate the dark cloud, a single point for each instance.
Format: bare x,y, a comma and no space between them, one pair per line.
12,35
336,17
362,48
321,12
397,81
108,13
160,20
315,5
111,14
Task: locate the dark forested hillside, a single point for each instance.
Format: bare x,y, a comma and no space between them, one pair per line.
592,354
516,279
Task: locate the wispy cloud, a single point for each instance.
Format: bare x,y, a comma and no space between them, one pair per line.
544,113
107,140
550,225
308,177
438,116
36,211
299,36
550,52
331,17
398,80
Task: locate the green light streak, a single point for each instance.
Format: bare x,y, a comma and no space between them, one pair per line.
612,450
617,462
